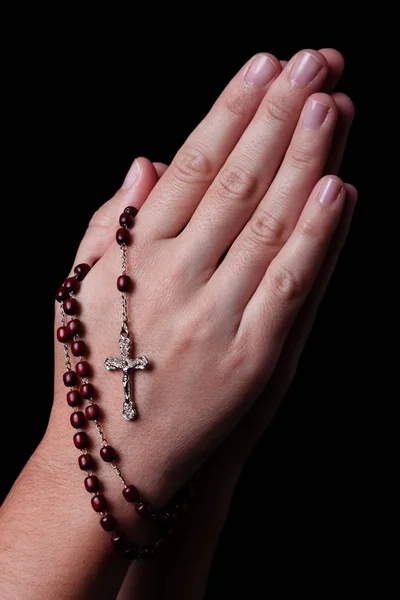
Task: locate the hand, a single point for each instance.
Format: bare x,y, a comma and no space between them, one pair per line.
214,329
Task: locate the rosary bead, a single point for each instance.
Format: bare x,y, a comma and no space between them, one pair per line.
82,368
107,453
77,419
79,348
87,391
130,551
86,462
92,483
71,284
123,236
126,220
123,283
131,494
74,398
131,210
143,509
108,523
81,271
92,412
146,552
62,294
118,540
81,440
71,306
99,503
63,334
70,378
74,327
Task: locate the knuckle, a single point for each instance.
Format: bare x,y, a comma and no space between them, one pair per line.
298,158
191,165
276,110
309,229
284,284
234,182
267,229
236,104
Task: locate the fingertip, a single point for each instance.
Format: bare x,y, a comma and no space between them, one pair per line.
344,104
333,57
351,193
160,168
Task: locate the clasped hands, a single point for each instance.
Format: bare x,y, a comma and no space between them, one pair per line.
233,248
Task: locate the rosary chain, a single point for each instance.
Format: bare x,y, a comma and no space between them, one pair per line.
124,329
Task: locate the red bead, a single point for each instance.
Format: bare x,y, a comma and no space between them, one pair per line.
131,494
71,284
86,462
132,211
81,271
107,453
130,551
75,327
62,294
99,503
126,220
87,391
92,412
108,523
123,283
81,440
82,368
71,306
123,236
118,540
146,552
92,483
79,348
74,398
143,509
77,419
70,378
63,334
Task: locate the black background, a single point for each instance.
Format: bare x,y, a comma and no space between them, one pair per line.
82,110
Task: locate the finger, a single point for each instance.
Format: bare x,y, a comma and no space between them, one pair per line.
335,61
139,182
200,158
277,214
251,167
343,126
259,417
160,168
287,282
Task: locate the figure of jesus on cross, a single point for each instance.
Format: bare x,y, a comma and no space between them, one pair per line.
126,364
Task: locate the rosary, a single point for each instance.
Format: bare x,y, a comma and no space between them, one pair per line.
69,334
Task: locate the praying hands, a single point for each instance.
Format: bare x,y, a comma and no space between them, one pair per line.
229,256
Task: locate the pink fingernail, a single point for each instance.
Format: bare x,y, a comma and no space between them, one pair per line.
132,175
261,70
330,191
314,114
305,69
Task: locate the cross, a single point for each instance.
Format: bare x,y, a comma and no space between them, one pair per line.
126,364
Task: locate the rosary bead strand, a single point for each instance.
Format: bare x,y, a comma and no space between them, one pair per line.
70,333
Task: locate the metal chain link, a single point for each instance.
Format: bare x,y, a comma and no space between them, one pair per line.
124,327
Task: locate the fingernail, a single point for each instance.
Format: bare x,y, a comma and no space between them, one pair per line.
315,114
305,69
330,191
132,175
261,70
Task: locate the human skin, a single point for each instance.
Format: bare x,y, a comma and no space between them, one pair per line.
185,303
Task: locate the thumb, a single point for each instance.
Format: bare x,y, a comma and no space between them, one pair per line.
100,234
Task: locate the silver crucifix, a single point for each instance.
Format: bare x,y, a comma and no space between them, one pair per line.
126,364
